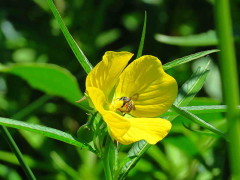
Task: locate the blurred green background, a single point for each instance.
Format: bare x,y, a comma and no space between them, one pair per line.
175,28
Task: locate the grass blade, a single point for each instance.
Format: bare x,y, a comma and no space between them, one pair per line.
46,131
75,48
188,58
196,120
17,152
141,44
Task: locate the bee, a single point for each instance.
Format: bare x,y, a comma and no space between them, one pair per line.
128,104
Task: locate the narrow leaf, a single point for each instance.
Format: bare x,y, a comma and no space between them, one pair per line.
46,131
134,155
75,48
50,79
140,49
200,109
196,120
191,87
188,58
203,39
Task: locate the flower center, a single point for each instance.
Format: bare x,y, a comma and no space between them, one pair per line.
123,105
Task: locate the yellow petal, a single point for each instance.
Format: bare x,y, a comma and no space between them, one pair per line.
105,74
98,98
155,91
150,129
114,121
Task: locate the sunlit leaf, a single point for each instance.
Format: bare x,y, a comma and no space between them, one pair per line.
188,58
203,39
191,87
50,79
213,84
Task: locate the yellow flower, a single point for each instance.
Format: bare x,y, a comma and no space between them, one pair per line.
142,90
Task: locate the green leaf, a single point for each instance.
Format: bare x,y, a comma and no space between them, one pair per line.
197,120
141,44
200,109
188,58
46,131
75,48
213,84
203,39
134,155
50,79
191,87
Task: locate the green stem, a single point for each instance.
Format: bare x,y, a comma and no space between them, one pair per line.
109,159
230,81
17,152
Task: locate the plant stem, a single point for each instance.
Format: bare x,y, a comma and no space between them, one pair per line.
230,81
17,152
109,159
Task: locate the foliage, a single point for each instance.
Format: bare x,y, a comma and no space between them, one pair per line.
41,80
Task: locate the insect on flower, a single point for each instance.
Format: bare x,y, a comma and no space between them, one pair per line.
126,104
142,90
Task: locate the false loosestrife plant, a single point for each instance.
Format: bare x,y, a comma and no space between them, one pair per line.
126,103
129,97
